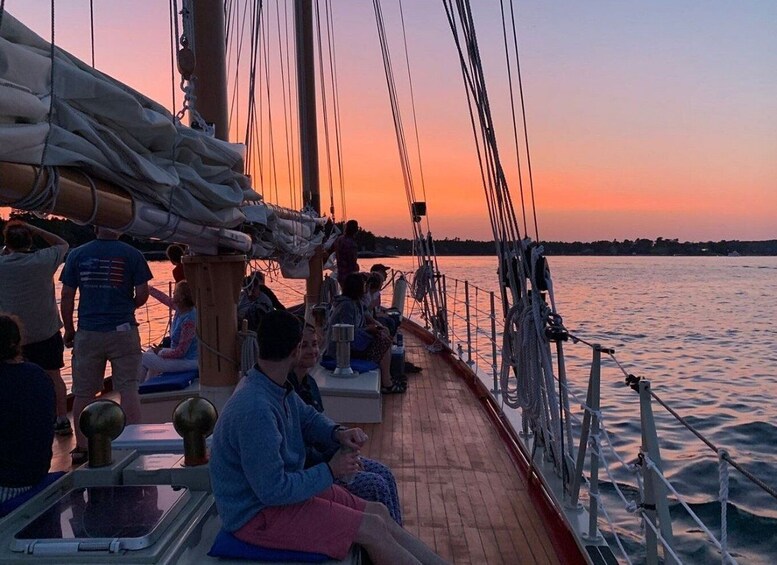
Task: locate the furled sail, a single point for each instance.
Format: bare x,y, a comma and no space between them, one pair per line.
112,132
185,185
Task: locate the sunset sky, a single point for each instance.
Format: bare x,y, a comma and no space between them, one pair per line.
644,120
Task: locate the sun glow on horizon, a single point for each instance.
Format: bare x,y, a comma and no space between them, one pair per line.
641,123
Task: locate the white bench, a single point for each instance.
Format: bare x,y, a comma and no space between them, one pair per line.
356,399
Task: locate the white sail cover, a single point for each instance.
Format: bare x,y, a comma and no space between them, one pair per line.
112,132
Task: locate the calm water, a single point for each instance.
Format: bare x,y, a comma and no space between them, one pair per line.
701,329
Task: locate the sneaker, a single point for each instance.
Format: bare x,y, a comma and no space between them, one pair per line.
62,427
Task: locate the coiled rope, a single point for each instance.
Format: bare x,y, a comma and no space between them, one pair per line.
422,282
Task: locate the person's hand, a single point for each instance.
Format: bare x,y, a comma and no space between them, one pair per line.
68,338
345,462
352,438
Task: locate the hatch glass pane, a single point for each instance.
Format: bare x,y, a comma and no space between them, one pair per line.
104,512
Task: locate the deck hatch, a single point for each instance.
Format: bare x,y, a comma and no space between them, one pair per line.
105,519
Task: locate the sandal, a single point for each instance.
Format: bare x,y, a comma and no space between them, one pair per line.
395,388
79,455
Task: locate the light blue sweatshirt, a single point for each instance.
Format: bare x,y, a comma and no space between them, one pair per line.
258,450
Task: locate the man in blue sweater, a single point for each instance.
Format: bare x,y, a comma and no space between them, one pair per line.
263,492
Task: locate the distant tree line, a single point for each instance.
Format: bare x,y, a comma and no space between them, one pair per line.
661,246
372,244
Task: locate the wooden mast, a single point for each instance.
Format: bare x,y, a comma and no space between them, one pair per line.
306,84
215,280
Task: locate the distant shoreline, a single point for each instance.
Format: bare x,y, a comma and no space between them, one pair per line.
372,246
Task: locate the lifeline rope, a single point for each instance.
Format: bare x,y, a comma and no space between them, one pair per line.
657,472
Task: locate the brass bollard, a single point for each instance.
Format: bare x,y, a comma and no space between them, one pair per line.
194,419
101,422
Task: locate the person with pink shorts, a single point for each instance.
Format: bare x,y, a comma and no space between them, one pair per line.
264,494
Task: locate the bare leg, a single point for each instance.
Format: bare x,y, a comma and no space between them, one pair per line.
381,546
79,403
130,403
385,369
411,543
60,390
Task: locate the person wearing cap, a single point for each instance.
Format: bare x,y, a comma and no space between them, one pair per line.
381,269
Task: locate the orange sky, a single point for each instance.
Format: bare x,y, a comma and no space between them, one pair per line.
643,121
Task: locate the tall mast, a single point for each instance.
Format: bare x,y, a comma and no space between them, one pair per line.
306,85
215,280
306,81
211,67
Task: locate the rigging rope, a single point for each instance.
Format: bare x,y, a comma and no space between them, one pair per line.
412,106
91,27
324,108
290,168
336,108
426,285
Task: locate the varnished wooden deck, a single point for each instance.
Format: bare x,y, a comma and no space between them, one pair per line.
460,491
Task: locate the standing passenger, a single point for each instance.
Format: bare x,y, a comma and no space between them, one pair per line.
112,279
27,292
346,251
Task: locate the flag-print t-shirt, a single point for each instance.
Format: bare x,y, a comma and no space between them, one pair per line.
105,272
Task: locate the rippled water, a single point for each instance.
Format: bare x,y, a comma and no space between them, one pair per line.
701,329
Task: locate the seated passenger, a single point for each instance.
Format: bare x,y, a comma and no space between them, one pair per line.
373,302
182,353
256,300
375,482
27,414
372,340
264,494
372,293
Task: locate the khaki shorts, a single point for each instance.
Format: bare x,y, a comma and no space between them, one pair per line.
91,352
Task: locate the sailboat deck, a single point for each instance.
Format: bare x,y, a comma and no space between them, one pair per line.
460,491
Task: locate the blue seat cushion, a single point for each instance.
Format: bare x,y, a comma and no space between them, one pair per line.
227,545
163,382
13,503
358,365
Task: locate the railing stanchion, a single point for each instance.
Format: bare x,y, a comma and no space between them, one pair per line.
593,407
655,503
565,415
469,323
449,320
494,362
585,429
